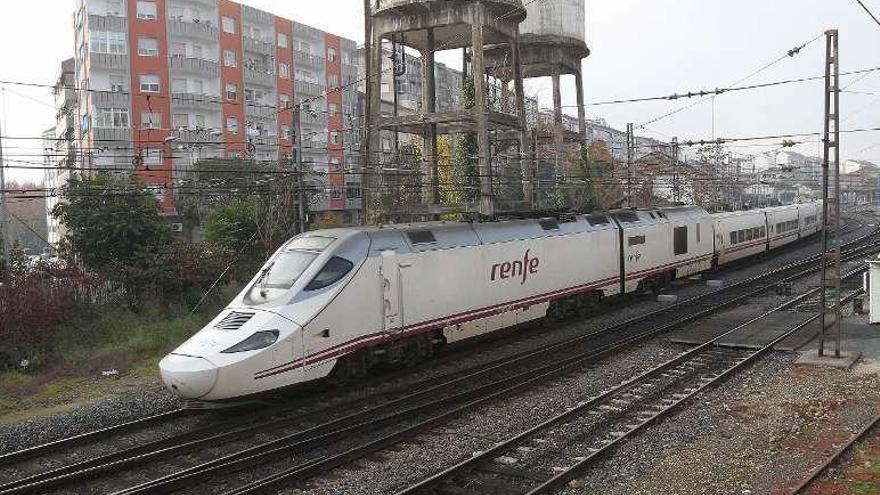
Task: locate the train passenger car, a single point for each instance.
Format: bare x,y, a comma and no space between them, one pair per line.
661,245
739,234
783,225
810,216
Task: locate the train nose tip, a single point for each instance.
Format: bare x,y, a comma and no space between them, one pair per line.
187,376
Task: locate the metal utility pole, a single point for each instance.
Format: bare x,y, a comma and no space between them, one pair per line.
831,200
366,174
630,144
4,214
300,172
675,170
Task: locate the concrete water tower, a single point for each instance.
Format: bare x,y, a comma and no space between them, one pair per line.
431,26
552,44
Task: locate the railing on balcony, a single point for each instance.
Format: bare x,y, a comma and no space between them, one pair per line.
260,77
109,61
192,100
307,59
202,30
258,46
308,88
195,65
113,99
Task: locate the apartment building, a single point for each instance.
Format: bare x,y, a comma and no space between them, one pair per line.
173,82
59,143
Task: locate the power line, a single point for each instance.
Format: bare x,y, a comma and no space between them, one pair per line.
869,11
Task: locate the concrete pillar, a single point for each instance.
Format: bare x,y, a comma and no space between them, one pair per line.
505,96
430,176
487,196
582,111
519,90
557,126
370,180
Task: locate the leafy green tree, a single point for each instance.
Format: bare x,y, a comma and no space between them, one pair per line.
113,222
465,171
233,226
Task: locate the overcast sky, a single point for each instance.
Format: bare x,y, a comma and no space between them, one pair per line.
639,48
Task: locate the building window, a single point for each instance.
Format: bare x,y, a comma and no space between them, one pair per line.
229,58
232,125
114,8
147,10
332,109
337,192
111,118
231,92
178,49
353,190
151,120
152,156
283,41
249,96
200,121
117,83
229,25
335,138
197,51
175,13
150,83
198,87
113,42
331,55
148,47
285,100
335,165
332,81
180,121
178,85
284,71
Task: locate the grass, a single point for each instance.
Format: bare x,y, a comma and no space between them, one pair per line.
98,340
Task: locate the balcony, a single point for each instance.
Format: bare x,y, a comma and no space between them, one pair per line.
305,88
108,23
198,66
262,78
111,137
110,99
260,111
198,30
196,101
303,59
108,61
196,137
261,47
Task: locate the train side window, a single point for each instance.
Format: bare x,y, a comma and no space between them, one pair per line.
333,271
597,220
749,234
636,240
680,240
763,232
626,216
698,233
421,236
732,238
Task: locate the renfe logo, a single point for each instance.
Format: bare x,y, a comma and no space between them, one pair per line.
519,268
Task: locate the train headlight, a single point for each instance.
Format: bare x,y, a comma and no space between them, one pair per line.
259,340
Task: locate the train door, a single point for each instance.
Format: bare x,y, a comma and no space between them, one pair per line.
392,307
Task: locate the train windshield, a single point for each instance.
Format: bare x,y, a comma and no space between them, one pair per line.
287,267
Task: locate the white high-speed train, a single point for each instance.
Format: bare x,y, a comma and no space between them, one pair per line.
345,300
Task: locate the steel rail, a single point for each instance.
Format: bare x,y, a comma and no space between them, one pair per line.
92,467
299,472
814,475
31,452
562,478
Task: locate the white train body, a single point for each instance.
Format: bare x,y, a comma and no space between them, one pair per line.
387,294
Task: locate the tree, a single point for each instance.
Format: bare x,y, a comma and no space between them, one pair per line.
233,226
465,172
112,222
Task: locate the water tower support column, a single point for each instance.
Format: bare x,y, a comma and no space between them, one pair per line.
582,111
487,197
429,105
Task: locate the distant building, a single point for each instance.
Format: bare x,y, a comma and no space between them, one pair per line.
60,146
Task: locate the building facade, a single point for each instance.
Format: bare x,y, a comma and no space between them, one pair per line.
171,82
59,143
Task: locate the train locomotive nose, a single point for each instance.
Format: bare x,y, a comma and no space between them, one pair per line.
189,377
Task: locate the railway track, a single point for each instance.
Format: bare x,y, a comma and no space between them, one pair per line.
418,407
816,473
547,457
